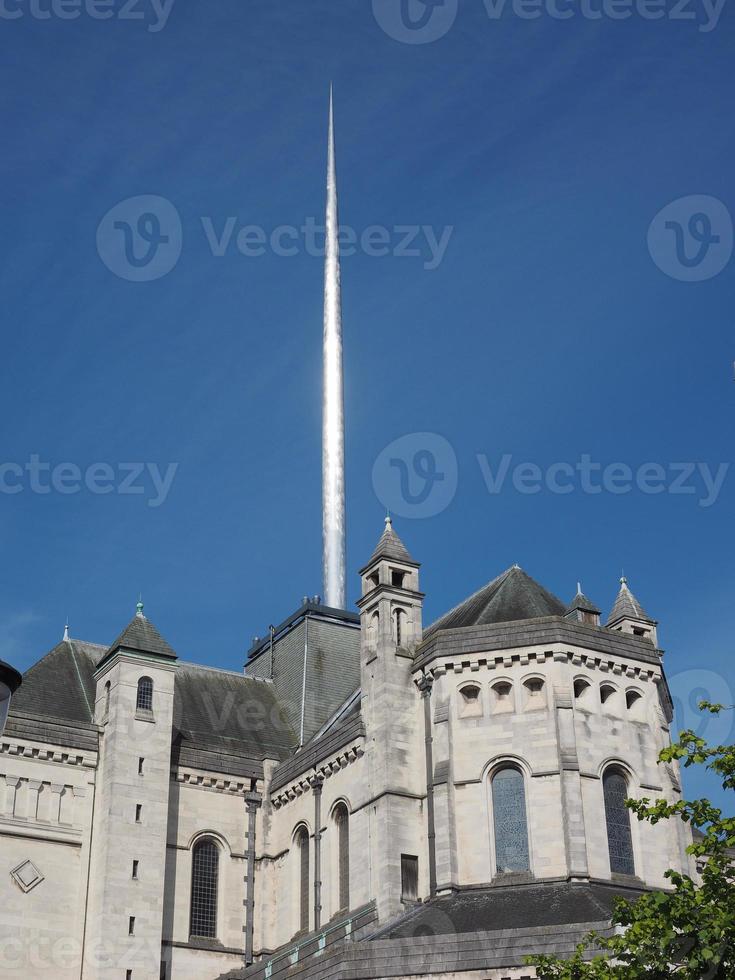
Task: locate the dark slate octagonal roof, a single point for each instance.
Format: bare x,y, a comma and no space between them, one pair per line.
511,596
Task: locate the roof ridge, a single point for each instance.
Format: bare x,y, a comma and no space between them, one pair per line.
79,678
469,598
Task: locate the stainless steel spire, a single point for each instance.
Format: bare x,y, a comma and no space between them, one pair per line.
333,423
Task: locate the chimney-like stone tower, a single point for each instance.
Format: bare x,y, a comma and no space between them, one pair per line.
390,618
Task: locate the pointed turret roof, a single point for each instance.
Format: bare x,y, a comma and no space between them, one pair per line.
580,601
390,546
141,636
627,606
511,596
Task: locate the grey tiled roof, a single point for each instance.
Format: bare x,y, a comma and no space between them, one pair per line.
223,721
580,601
222,717
391,546
142,636
350,728
510,906
482,929
627,606
511,596
61,685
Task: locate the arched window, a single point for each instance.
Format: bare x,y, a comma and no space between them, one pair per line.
302,845
607,691
534,692
342,825
503,696
470,701
581,687
204,881
144,699
106,709
509,818
617,817
632,698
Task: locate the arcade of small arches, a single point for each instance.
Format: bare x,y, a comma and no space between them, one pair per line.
504,696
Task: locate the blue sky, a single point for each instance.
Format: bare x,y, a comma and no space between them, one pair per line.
548,331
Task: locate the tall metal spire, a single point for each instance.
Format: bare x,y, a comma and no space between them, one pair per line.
333,424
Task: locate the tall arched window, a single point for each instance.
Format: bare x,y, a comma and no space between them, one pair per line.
617,817
144,699
342,825
400,619
204,881
509,818
302,845
106,714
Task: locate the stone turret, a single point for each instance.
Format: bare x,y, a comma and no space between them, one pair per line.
134,709
629,616
391,627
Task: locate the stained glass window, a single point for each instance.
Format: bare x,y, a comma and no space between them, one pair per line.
144,699
204,878
617,816
509,815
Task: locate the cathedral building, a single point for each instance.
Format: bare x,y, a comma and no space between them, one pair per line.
368,798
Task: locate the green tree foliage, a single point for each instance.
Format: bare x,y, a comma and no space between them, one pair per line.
687,932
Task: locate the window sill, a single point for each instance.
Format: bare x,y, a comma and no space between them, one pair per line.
144,714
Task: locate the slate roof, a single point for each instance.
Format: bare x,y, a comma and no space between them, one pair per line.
345,726
222,718
223,721
580,601
390,546
61,685
627,606
142,636
514,595
512,906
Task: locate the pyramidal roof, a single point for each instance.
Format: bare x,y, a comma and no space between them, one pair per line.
390,546
627,606
511,596
141,636
580,601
